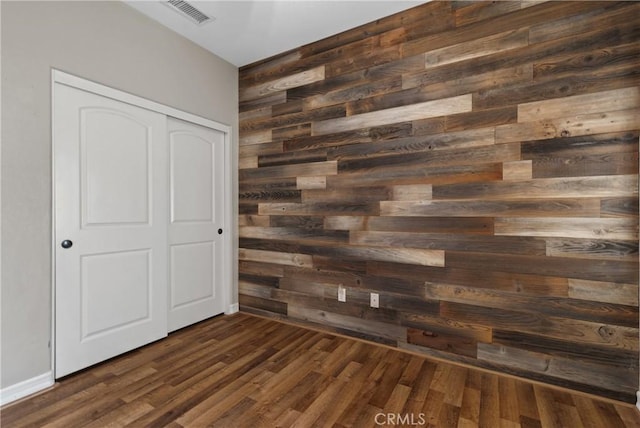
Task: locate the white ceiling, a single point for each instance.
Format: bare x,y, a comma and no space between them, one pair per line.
245,31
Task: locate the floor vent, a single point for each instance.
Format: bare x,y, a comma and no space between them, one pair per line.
189,11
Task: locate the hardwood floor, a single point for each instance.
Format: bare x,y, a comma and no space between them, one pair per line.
246,371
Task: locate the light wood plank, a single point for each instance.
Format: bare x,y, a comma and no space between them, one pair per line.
423,110
624,294
570,126
314,182
597,102
476,48
275,257
517,170
282,84
601,228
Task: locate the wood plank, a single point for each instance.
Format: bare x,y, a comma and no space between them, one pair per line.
608,58
475,225
267,101
262,303
456,156
283,83
448,241
310,169
477,11
602,291
517,170
601,228
597,102
434,142
251,70
363,90
585,164
606,17
619,207
349,323
303,236
290,120
437,324
565,349
277,195
518,19
601,270
423,110
605,313
309,226
318,208
296,129
373,55
275,257
428,175
601,186
424,257
292,158
288,183
260,269
594,123
411,192
444,342
527,208
345,222
419,87
528,284
248,162
598,374
604,154
313,182
558,328
479,47
260,149
260,137
364,195
593,248
480,119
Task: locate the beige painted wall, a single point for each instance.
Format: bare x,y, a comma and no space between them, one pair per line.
112,44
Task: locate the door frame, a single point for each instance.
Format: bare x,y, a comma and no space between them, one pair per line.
64,78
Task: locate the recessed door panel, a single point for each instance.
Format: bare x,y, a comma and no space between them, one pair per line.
197,180
115,161
192,186
111,175
105,279
191,264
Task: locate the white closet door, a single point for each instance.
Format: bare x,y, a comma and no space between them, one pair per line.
110,161
195,231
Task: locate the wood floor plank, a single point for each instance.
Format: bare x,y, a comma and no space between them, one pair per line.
243,370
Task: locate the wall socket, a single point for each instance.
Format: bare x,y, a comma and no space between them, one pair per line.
374,300
342,294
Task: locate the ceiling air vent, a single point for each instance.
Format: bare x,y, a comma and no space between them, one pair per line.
189,11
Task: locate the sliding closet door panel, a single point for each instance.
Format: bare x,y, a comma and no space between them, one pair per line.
111,163
196,194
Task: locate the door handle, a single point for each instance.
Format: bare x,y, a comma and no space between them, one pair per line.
66,244
219,231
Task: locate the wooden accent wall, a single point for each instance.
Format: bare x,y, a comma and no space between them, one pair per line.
474,163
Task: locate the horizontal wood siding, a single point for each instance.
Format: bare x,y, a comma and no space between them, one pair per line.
474,163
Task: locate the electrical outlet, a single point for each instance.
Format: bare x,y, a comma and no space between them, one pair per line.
375,300
342,294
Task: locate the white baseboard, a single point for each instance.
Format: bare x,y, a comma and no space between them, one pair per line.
26,387
233,308
638,399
